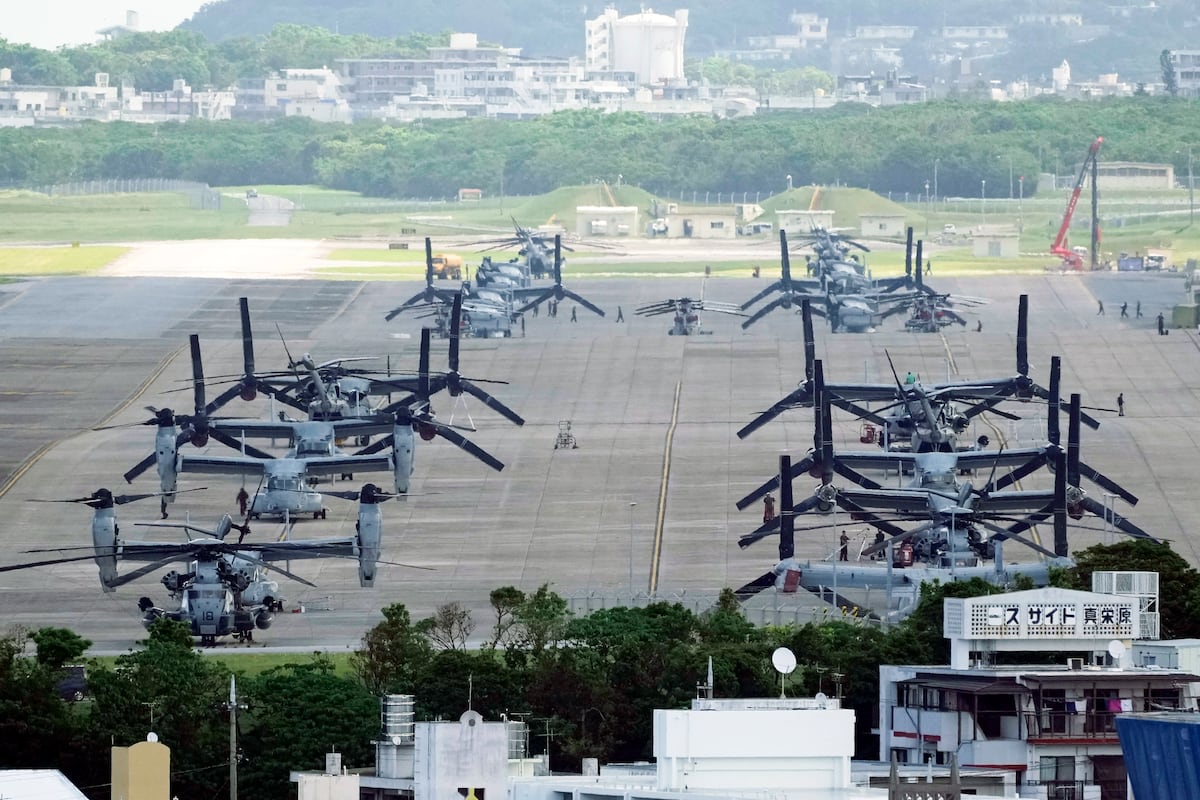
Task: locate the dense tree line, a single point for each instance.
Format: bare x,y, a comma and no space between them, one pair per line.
596,678
954,145
153,61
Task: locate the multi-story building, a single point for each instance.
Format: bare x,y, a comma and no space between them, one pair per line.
647,44
1187,71
1053,724
315,93
811,30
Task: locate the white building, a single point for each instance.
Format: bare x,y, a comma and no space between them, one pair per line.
1187,71
315,93
647,44
1054,724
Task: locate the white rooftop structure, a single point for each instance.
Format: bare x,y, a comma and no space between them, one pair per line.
37,784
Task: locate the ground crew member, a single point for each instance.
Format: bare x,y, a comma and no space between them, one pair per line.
242,499
1124,310
1138,310
573,317
620,315
768,508
1121,404
1161,325
844,550
1100,313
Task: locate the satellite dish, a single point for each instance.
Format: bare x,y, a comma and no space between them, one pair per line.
822,699
151,737
1116,649
784,660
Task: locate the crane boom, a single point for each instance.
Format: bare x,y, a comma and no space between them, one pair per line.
1070,258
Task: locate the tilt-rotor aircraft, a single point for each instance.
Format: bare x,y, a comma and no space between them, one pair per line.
225,588
972,397
937,498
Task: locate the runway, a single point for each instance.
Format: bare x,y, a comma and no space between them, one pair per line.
655,418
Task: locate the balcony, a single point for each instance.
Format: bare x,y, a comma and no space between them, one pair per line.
1059,726
993,752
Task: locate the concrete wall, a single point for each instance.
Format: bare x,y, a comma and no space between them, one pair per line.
731,749
797,222
886,225
328,787
141,772
467,754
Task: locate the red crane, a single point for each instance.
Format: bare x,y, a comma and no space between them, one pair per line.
1071,259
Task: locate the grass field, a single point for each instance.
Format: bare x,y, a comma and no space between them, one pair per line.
1133,222
29,261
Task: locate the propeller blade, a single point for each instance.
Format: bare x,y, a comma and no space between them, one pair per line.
767,309
798,468
1023,335
455,331
423,366
377,445
247,338
491,402
197,375
469,446
141,467
776,286
230,441
549,294
787,519
590,306
1053,433
785,262
1119,522
764,581
810,343
143,571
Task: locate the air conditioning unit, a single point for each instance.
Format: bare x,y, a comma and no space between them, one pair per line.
1075,663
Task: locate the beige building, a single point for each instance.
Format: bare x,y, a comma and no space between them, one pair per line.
1133,175
797,223
996,244
142,771
606,220
700,224
884,226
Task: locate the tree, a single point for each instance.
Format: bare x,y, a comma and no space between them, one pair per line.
1168,73
297,713
57,646
393,654
36,726
505,601
1178,582
171,689
541,621
449,627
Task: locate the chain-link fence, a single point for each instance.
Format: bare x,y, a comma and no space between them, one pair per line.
202,196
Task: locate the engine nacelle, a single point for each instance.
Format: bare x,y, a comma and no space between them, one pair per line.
165,456
104,538
428,432
402,455
176,582
370,529
248,393
263,620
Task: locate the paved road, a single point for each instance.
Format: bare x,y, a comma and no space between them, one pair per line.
76,351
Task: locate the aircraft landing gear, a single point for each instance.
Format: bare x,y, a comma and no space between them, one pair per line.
208,640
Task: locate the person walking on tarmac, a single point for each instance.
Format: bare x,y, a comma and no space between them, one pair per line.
620,315
1121,404
1162,327
768,508
844,549
242,499
1100,313
1124,310
574,318
1138,310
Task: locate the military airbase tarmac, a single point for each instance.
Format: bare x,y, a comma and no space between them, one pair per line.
654,417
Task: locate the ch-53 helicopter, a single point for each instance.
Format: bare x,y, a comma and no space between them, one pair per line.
227,587
686,312
827,578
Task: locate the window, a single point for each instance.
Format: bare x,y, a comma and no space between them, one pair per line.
1057,768
716,225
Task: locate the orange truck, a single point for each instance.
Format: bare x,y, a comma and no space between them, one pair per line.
447,265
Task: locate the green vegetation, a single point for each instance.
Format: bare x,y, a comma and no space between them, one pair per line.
29,261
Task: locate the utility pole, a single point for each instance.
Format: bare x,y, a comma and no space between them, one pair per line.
1191,188
233,780
632,506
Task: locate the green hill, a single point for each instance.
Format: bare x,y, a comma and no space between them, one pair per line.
846,203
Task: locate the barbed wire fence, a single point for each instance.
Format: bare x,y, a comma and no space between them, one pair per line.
202,196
